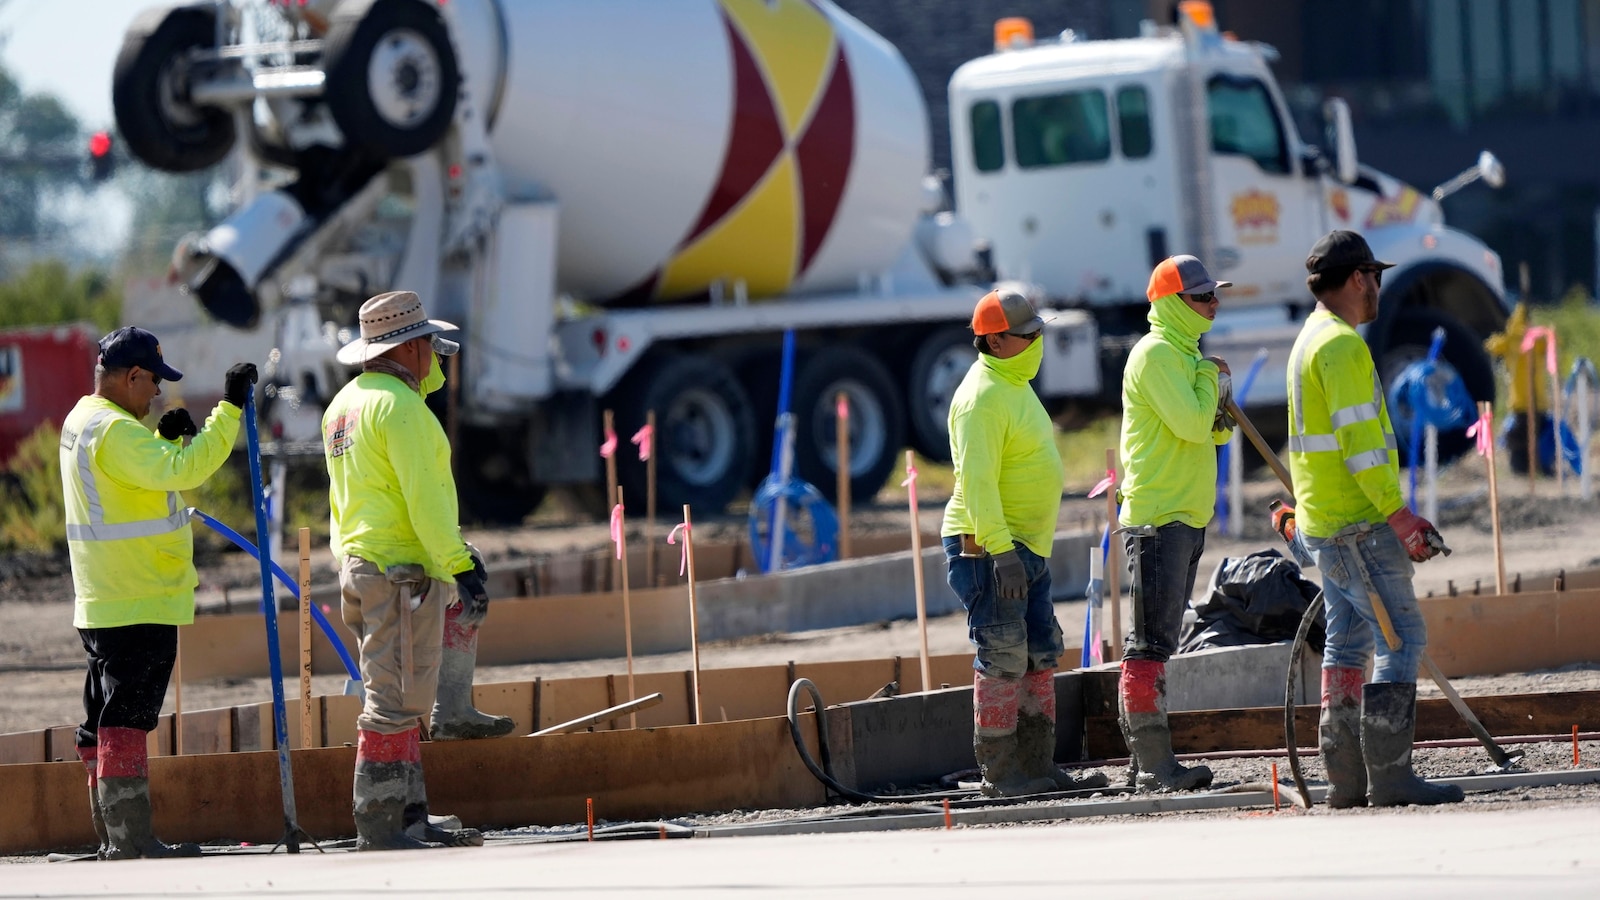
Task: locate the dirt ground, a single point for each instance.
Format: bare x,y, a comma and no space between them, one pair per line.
41,658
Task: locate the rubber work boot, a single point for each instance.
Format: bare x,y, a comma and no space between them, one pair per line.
454,718
444,831
1388,725
1131,777
1036,735
90,757
1339,736
1143,691
123,785
994,739
382,785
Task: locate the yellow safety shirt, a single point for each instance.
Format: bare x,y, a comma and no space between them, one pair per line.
1003,445
1342,453
127,529
390,488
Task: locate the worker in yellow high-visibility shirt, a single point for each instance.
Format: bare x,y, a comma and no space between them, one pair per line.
133,571
1526,410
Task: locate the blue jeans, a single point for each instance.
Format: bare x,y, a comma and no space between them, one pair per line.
1013,637
1353,631
1166,564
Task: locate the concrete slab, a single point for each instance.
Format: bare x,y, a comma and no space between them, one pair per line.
1461,853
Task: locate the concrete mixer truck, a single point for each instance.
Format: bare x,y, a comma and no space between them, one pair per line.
626,204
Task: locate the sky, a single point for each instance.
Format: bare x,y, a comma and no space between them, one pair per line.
67,48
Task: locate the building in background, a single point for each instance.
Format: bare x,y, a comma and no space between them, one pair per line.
1430,84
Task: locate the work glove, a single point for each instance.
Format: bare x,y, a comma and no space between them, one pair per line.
1223,420
474,598
1283,520
1010,576
236,385
1416,534
177,423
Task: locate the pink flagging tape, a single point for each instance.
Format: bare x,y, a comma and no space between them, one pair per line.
672,538
644,439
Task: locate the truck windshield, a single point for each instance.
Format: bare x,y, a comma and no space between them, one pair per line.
1243,122
1059,129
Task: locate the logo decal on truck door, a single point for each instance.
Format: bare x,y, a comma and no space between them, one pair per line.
1396,210
1255,217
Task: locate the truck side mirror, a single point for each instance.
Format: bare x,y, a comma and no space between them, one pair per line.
1342,138
1491,170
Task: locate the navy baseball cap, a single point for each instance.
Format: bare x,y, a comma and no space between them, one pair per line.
129,347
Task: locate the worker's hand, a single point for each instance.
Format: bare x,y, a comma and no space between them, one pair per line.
478,567
1413,531
1224,419
236,385
1220,364
1010,577
177,423
474,598
1283,520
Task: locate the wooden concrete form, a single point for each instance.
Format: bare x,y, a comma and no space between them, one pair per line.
729,694
1261,728
499,783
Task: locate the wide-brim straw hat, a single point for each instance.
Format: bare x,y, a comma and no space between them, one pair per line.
389,320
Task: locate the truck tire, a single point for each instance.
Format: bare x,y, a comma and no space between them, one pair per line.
492,480
877,421
937,369
705,433
392,77
161,127
1463,351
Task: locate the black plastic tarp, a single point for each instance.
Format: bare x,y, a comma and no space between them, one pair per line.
1255,599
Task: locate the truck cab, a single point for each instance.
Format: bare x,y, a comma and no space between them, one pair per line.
1084,163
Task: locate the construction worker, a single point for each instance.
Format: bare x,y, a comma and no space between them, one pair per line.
394,528
133,574
1172,421
998,527
1351,517
1525,409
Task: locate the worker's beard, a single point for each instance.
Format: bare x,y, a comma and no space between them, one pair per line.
1369,305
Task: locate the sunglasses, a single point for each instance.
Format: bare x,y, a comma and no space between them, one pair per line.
1030,338
1207,297
1377,275
154,378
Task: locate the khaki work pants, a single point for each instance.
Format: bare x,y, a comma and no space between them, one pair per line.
400,677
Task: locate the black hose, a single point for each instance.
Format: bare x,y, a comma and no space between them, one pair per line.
1295,653
824,772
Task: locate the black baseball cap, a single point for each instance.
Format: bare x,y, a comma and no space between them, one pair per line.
1342,249
129,347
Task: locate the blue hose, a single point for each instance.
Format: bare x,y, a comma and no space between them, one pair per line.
243,543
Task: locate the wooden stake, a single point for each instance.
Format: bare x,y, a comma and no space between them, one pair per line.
841,406
627,605
916,568
650,503
1484,409
694,617
1113,560
305,636
1532,422
177,700
611,485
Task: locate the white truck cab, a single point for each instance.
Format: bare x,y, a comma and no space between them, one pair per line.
1084,163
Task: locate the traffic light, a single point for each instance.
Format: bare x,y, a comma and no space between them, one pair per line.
102,162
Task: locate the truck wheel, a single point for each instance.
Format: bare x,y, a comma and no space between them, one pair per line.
1410,335
149,93
391,74
705,433
877,421
936,371
492,480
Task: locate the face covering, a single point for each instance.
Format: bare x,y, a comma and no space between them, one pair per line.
1019,369
435,379
1172,315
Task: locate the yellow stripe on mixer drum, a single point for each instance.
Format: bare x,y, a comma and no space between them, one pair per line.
757,242
793,41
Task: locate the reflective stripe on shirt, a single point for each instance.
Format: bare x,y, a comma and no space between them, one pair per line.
97,529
